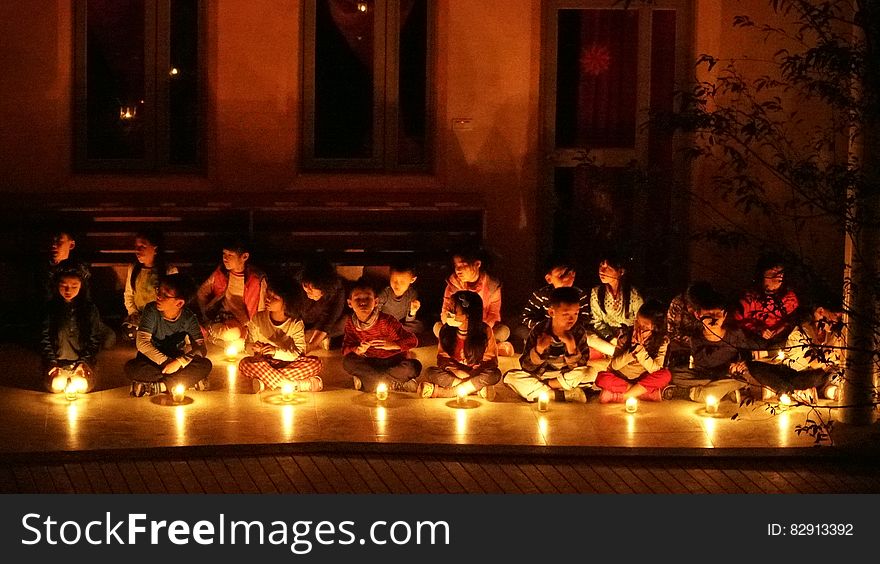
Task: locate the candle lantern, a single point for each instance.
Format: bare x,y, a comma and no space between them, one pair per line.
287,391
382,392
178,393
543,401
711,405
632,405
462,396
70,390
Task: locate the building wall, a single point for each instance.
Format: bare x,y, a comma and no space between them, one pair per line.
485,71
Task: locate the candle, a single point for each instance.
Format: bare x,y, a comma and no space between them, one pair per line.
691,362
287,390
462,395
70,390
831,391
780,355
785,399
178,393
632,404
543,401
232,351
382,392
362,6
711,404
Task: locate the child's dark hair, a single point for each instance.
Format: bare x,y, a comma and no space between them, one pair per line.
477,338
565,295
469,253
558,261
655,311
156,239
320,273
713,299
237,244
182,286
766,262
284,288
403,266
361,284
698,293
618,262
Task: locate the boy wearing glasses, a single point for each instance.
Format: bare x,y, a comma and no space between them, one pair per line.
171,348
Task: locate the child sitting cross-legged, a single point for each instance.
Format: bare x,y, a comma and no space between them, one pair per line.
278,342
142,278
375,345
557,353
171,348
71,334
467,356
400,298
636,370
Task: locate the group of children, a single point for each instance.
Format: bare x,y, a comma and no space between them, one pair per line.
608,340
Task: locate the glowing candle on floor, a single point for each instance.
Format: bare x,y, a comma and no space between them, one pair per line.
462,395
785,399
382,392
711,405
543,401
632,404
780,355
70,390
232,351
178,393
831,391
287,390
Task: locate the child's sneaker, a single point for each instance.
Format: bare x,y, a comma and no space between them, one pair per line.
488,393
408,386
311,384
576,395
653,395
668,392
138,389
425,390
607,396
202,385
356,382
325,345
257,385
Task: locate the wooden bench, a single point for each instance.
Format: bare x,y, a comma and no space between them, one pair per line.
349,228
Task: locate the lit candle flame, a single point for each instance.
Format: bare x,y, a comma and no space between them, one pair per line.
178,393
462,395
711,404
287,390
543,401
382,392
785,399
632,404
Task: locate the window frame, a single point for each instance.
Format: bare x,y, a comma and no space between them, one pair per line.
156,113
386,71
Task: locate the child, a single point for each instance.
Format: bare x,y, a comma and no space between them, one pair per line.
278,342
232,295
557,352
719,353
375,344
817,343
171,348
71,335
400,299
469,276
61,258
614,303
637,366
767,313
467,357
142,278
682,322
559,275
322,304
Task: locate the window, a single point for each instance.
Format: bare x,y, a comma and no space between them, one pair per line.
138,85
366,101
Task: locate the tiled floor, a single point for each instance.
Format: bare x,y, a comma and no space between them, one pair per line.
32,421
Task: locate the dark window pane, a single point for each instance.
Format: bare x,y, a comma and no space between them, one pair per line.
183,80
597,64
411,127
115,79
344,79
662,90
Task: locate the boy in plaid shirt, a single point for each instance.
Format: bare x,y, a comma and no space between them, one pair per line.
375,345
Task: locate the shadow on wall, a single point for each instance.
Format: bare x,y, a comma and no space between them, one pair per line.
489,164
